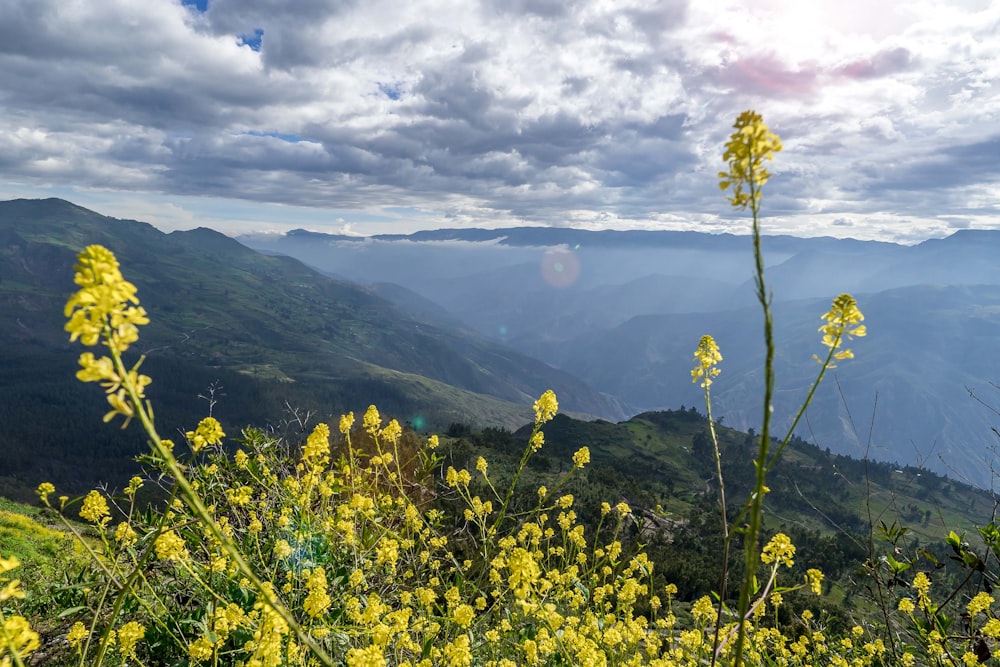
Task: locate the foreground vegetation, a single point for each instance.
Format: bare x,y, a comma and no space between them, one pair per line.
364,545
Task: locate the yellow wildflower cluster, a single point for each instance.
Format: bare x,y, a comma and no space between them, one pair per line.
748,147
707,357
843,322
545,407
17,639
105,309
106,306
209,432
779,550
95,509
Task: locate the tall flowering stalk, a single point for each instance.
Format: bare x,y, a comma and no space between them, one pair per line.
707,358
105,310
749,148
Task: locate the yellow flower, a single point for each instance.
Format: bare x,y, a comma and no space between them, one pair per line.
703,610
906,605
346,422
128,636
392,432
77,634
545,407
455,478
371,656
43,491
268,638
779,550
433,442
8,564
481,465
463,615
992,628
201,650
815,580
95,509
842,322
980,603
746,150
282,549
101,370
170,546
134,485
582,457
458,653
691,640
317,449
372,421
18,637
707,356
12,589
125,535
209,432
318,600
922,584
101,307
524,571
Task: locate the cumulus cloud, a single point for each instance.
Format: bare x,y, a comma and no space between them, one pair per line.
495,113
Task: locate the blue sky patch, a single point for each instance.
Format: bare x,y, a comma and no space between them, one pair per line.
200,5
391,90
254,40
290,138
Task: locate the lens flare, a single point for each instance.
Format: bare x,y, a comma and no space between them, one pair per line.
560,267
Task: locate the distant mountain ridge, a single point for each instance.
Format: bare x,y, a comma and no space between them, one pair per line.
555,236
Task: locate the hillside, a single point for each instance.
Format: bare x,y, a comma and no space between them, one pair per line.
269,330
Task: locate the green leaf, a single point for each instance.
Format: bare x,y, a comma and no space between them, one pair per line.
69,612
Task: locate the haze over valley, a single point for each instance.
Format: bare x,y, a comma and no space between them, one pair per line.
623,311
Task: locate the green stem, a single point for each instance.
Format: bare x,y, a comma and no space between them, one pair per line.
750,550
528,451
805,404
725,525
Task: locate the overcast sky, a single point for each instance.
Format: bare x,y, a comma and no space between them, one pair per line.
372,116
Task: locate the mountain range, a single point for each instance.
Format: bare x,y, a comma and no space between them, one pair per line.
623,311
471,325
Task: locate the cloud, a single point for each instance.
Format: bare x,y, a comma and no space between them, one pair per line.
883,63
497,113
